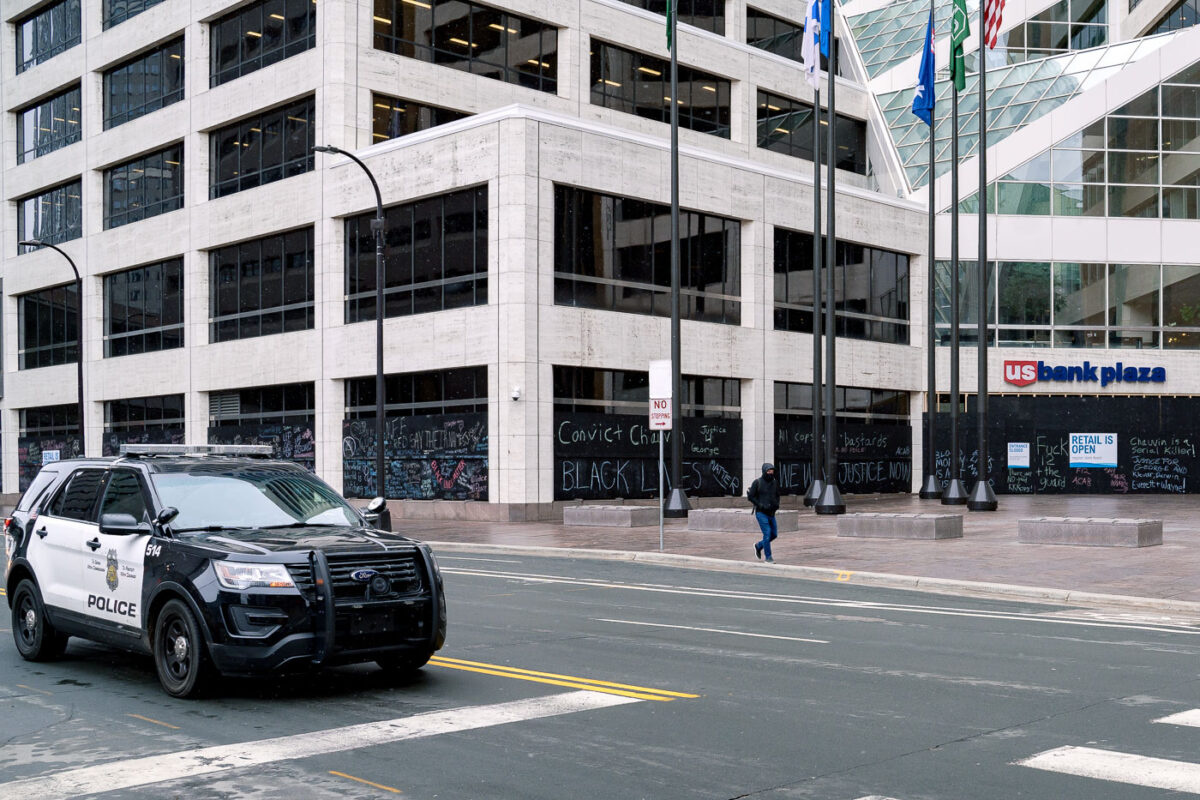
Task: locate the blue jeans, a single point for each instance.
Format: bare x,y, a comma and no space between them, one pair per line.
769,531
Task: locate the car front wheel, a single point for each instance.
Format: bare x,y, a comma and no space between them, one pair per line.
36,638
179,656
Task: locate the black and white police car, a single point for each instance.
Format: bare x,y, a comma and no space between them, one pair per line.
214,562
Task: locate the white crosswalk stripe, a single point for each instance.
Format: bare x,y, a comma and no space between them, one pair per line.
1107,765
1190,718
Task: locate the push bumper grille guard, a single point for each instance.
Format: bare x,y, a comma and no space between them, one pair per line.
323,609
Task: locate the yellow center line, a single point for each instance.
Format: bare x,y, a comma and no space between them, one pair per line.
30,688
368,783
155,721
554,679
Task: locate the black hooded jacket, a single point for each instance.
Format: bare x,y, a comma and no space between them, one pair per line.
764,492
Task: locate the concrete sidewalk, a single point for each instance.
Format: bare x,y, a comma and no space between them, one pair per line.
987,560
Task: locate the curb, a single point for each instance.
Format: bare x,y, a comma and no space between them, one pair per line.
950,586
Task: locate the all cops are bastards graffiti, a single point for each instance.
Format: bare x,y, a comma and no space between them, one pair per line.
871,458
605,456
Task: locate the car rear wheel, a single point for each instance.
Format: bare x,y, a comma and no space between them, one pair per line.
36,638
179,656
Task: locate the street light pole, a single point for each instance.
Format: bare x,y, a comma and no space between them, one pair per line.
78,331
377,230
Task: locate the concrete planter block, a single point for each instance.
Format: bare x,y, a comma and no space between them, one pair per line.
598,516
738,520
1090,532
901,526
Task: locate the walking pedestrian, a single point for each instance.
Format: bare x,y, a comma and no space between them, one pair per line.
764,495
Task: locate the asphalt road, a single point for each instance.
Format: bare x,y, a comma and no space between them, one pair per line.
571,678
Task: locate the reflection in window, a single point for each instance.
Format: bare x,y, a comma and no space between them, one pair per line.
117,11
392,117
435,256
259,35
269,147
157,419
871,285
778,36
587,390
54,216
143,309
785,126
1065,26
853,404
447,391
46,33
48,327
470,37
1184,14
262,287
636,83
144,84
614,253
708,15
50,124
144,188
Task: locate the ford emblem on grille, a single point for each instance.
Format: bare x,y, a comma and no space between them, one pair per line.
363,575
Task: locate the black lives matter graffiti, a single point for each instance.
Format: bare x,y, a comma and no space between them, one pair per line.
606,456
428,457
1157,441
871,458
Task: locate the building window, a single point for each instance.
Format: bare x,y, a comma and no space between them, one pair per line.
614,253
142,420
48,327
143,309
448,391
1065,26
143,84
271,146
117,11
778,36
262,287
435,256
472,38
260,34
708,15
46,33
46,429
393,117
144,188
1184,14
281,416
785,126
54,216
48,125
606,391
871,285
855,405
636,83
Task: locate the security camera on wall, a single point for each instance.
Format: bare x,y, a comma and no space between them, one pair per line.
516,393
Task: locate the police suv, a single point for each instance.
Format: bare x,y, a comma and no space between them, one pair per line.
214,562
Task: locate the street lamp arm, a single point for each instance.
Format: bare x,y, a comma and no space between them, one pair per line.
328,148
56,248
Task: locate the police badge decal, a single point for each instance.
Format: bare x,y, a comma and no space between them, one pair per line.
110,575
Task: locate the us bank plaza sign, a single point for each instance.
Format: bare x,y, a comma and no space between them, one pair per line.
1025,373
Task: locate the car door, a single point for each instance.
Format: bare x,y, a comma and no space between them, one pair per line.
113,575
58,549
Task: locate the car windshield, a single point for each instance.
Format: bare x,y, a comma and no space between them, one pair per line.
250,497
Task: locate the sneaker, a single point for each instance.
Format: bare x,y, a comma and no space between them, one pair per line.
770,561
758,551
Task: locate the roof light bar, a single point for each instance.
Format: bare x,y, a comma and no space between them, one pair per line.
196,450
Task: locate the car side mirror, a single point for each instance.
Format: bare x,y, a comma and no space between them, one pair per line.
120,524
166,515
376,505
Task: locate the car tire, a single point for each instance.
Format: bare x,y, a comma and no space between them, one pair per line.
402,666
180,659
36,638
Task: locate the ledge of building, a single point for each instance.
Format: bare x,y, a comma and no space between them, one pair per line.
476,511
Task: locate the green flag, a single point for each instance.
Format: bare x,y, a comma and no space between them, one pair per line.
670,14
960,29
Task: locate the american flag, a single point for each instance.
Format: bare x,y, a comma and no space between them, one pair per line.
993,12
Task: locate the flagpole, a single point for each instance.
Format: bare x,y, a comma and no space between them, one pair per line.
955,493
982,497
831,498
677,502
932,488
815,484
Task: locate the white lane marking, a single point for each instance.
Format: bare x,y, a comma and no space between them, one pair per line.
821,601
1189,718
442,558
188,763
714,630
876,797
1106,765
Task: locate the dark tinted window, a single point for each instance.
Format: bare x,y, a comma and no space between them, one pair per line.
53,216
392,117
143,84
785,126
123,495
144,188
262,287
117,11
46,33
271,146
707,15
78,499
261,34
48,327
143,309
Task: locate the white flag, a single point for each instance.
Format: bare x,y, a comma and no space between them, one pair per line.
810,52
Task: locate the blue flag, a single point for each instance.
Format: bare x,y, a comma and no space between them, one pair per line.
923,97
826,25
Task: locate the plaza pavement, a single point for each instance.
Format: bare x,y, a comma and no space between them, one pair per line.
987,561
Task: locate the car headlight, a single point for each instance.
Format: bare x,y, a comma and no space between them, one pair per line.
235,575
